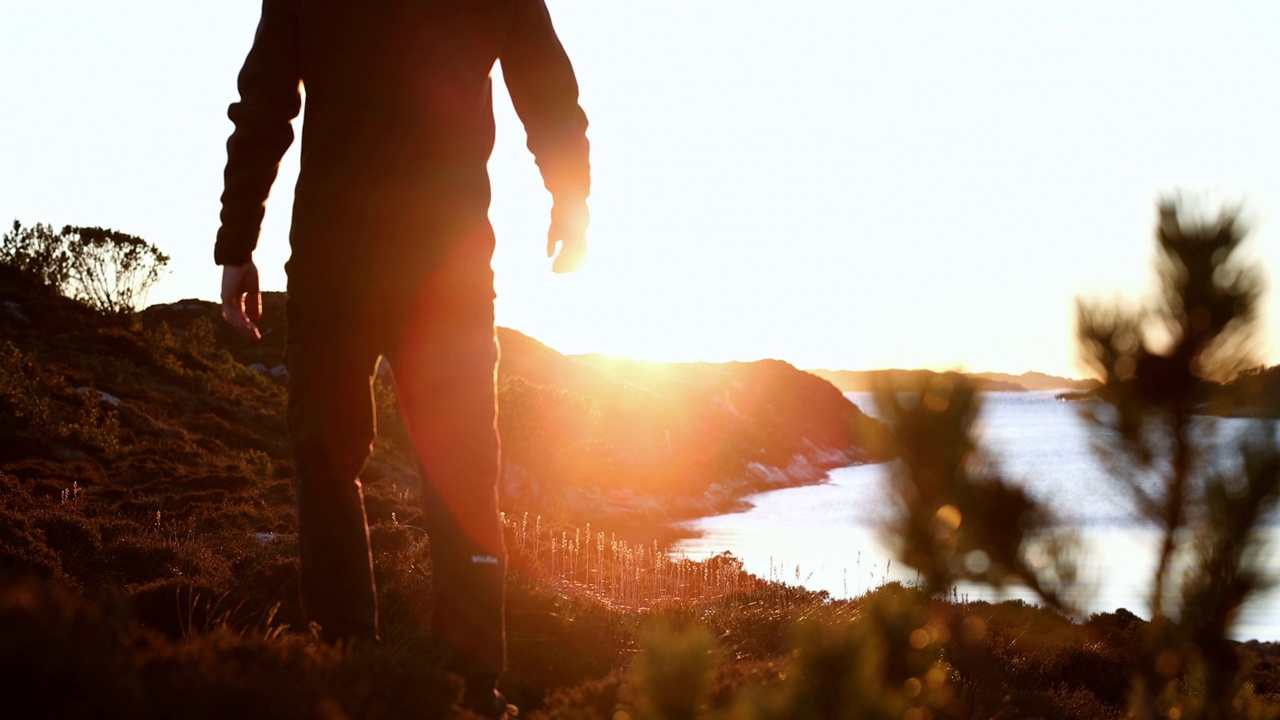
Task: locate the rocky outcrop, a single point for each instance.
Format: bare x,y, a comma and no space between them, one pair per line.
664,441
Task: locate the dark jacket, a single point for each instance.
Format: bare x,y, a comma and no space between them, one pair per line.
398,127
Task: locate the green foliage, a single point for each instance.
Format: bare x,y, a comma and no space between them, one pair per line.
200,336
25,389
96,424
255,463
107,269
192,354
43,401
38,251
673,673
887,663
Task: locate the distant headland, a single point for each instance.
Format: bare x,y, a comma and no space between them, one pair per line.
874,380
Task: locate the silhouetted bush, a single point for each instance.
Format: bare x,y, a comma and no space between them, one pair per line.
107,269
39,251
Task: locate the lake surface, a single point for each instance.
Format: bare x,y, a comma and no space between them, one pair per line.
825,537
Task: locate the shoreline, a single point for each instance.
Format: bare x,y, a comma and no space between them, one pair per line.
1116,562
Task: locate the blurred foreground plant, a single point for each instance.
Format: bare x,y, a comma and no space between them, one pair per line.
887,663
673,673
1161,364
958,518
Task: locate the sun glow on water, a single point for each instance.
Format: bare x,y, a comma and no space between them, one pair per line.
826,537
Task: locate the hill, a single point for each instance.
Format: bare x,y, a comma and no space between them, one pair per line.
897,380
630,441
1033,381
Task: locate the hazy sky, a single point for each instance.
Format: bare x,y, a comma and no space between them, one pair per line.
838,184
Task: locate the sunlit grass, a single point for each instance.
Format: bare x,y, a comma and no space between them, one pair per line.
630,576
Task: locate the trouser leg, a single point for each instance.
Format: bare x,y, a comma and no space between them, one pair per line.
331,422
444,371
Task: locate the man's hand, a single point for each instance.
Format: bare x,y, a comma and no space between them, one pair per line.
241,300
568,232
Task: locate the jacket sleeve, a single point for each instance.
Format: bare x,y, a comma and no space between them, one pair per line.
544,92
270,98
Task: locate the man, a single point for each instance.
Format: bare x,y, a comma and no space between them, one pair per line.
391,249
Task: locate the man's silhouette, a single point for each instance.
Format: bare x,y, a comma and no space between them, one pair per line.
391,249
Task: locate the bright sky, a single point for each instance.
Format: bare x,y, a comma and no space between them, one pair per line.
836,183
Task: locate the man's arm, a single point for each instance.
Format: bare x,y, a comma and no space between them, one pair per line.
544,92
270,99
241,299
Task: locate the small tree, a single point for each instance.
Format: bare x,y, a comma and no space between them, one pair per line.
958,517
111,270
39,251
1161,365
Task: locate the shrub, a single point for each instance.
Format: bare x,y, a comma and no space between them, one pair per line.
109,270
38,251
44,402
673,674
25,390
1159,363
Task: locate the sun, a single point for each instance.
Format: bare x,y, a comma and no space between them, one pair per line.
613,305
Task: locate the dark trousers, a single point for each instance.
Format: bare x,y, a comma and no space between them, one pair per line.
439,341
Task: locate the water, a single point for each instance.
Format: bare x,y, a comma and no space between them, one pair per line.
825,536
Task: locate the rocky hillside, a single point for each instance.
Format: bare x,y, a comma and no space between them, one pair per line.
623,438
171,410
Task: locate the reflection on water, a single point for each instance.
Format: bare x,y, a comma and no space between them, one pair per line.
824,536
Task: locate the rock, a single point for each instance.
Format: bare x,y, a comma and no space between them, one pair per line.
189,305
257,367
279,371
104,397
14,310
